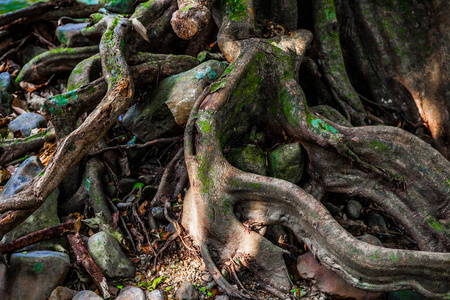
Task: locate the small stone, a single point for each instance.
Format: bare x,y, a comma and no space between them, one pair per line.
248,159
187,291
158,213
62,293
370,239
156,295
126,184
353,209
131,293
87,295
286,162
30,51
207,278
33,275
6,89
71,36
45,216
377,222
107,254
26,122
222,297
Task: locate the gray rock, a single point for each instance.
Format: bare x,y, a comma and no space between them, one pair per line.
353,209
44,217
30,51
368,238
70,35
156,295
248,159
222,297
6,89
87,295
26,122
187,291
158,213
131,293
167,108
377,222
62,293
107,254
286,162
33,275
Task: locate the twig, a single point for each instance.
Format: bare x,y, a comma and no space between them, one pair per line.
16,48
138,219
123,223
138,146
85,259
37,236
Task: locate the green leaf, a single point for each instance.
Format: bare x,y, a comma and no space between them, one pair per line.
138,185
156,281
24,252
202,56
119,286
168,288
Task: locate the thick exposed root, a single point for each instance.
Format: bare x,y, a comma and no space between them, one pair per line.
218,190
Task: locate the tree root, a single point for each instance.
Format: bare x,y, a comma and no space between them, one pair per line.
85,259
218,189
38,236
51,10
13,149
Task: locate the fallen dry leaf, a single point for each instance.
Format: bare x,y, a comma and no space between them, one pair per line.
46,152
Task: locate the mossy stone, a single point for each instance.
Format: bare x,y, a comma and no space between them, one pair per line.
107,254
286,162
248,159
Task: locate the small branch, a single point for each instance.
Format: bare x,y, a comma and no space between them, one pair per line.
38,236
85,259
16,48
138,146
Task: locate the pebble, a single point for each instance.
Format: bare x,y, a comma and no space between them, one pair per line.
187,291
353,209
376,222
26,122
107,254
87,295
156,295
62,293
131,293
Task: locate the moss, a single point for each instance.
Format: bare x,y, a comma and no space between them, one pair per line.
378,146
236,9
375,256
438,226
394,257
